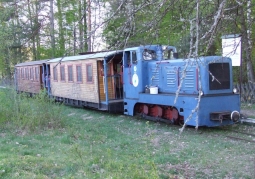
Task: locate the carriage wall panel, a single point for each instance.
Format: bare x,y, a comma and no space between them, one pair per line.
85,91
27,82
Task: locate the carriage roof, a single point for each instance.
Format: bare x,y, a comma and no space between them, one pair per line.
86,57
30,63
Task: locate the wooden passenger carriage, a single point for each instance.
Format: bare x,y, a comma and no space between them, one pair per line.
29,77
93,80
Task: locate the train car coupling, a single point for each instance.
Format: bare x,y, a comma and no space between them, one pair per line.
224,115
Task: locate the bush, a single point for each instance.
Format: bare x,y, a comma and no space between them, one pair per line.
21,111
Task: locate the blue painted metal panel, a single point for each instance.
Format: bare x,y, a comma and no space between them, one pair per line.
47,80
215,104
43,75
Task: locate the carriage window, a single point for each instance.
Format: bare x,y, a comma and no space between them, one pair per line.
26,73
62,73
55,74
70,73
79,73
31,74
17,73
89,73
22,73
149,54
36,74
134,58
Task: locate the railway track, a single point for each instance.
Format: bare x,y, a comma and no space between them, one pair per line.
239,134
236,134
239,138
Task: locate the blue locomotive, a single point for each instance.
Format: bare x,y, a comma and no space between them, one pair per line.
198,91
147,80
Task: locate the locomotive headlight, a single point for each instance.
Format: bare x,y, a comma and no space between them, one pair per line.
235,90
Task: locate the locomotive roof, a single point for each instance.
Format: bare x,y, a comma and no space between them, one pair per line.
85,57
39,62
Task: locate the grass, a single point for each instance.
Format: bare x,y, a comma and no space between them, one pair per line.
90,144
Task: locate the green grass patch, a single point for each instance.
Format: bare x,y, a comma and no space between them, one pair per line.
26,114
92,144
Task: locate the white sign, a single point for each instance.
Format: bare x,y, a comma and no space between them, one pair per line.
231,47
135,80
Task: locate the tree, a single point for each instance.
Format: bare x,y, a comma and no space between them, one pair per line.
195,27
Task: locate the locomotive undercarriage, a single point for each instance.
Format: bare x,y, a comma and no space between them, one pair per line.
167,114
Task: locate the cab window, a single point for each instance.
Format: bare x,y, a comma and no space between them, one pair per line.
168,54
149,54
134,58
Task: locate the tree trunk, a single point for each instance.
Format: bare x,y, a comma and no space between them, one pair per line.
31,26
52,29
85,31
60,24
89,26
38,26
247,45
81,32
7,65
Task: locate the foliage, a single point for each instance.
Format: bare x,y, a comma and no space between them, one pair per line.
26,27
29,114
194,27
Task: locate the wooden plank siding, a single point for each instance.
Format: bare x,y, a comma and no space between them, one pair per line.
84,91
26,79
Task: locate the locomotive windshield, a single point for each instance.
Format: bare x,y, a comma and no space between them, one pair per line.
149,54
219,76
168,54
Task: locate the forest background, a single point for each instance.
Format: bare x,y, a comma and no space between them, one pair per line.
45,29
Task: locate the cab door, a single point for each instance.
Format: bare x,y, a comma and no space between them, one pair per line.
130,75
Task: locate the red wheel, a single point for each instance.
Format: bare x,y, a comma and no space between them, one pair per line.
155,111
171,114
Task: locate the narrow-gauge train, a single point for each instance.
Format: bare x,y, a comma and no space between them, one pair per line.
148,80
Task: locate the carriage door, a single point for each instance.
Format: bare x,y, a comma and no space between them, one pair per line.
45,77
102,78
113,79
